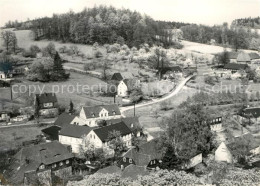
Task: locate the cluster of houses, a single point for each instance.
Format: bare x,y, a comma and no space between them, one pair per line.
239,62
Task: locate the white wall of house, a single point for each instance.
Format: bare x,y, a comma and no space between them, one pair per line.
72,141
216,127
255,151
2,75
222,154
94,139
122,89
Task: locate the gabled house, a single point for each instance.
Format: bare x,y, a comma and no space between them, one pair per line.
75,136
51,133
216,124
223,154
251,114
4,115
40,161
48,104
243,58
170,72
64,119
132,123
93,114
127,85
145,155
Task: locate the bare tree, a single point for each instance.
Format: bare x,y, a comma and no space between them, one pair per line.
9,39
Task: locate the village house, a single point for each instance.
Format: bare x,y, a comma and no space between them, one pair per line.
98,137
132,123
91,115
223,154
48,104
170,72
5,71
216,124
145,155
243,57
125,86
251,114
119,76
40,161
235,70
4,115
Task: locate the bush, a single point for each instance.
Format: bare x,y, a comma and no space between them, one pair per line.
27,53
98,54
209,80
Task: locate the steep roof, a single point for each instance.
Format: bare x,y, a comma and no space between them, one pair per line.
75,131
254,55
235,66
52,131
132,122
243,57
46,98
253,111
64,119
103,132
144,154
232,55
117,77
93,111
46,153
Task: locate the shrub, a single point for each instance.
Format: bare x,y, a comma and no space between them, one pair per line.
98,54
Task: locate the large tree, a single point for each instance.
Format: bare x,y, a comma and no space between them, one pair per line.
10,40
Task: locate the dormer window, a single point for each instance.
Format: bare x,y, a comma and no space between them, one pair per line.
132,125
67,161
130,160
54,166
124,159
61,163
114,113
42,167
93,115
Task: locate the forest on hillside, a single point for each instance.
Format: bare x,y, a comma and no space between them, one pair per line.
248,22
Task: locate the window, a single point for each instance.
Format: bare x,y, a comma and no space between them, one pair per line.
67,161
54,166
61,163
90,135
124,159
130,160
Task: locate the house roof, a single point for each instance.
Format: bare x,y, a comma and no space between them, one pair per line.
93,111
243,57
254,55
52,131
232,55
46,98
109,170
117,76
75,131
174,69
253,111
132,122
64,119
103,132
133,171
144,154
46,153
130,83
235,66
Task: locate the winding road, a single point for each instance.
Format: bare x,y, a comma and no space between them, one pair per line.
173,93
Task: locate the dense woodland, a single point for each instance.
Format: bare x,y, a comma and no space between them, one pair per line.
248,22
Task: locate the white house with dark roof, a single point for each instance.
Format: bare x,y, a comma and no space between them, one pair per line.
92,115
251,113
127,85
97,137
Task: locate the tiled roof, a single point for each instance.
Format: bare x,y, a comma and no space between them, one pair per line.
232,55
144,153
52,131
93,112
254,55
133,171
243,57
45,152
46,98
254,112
75,131
131,122
103,132
64,119
235,66
117,76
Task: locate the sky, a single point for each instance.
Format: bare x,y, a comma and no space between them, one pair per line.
208,12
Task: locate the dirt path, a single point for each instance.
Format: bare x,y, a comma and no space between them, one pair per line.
173,93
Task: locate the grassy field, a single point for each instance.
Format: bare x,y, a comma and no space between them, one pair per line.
14,136
75,88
